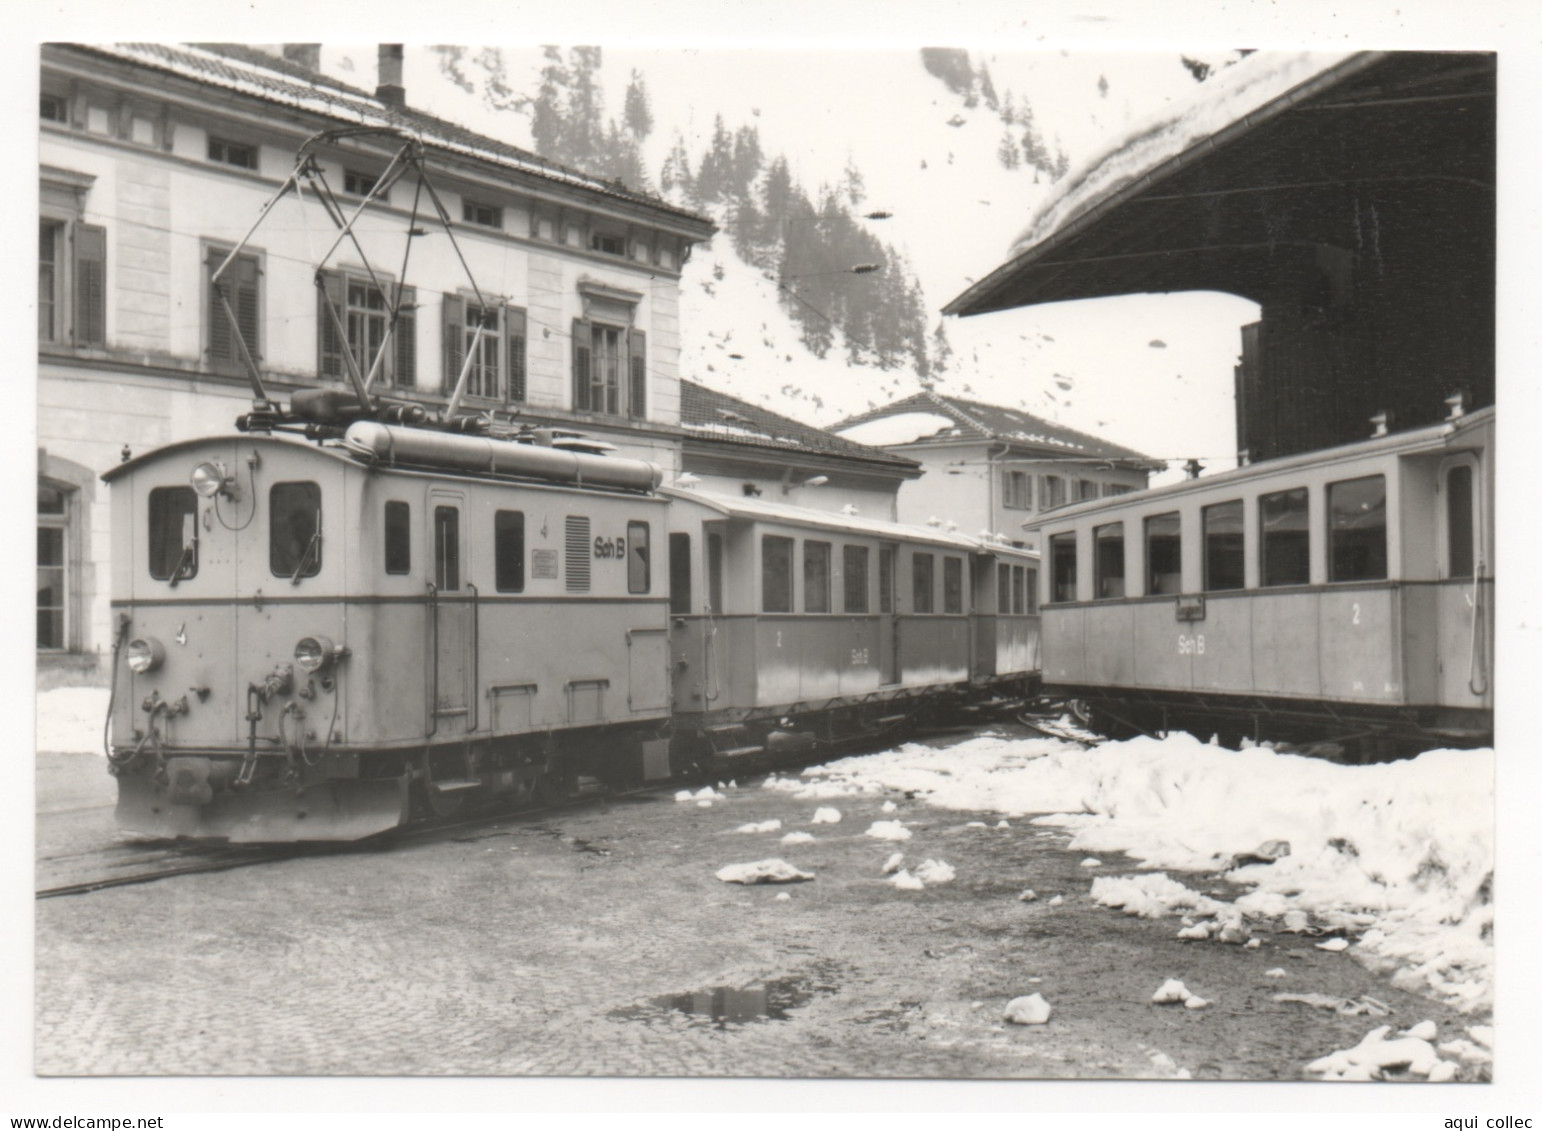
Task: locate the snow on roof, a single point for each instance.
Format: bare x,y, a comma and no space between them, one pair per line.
1233,94
902,428
711,413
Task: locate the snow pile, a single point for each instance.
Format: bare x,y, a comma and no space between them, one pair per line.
1399,855
774,871
1030,1010
827,816
798,838
1375,1056
888,830
906,882
705,793
770,826
1151,895
70,720
935,871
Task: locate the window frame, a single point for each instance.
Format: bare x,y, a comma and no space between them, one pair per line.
952,585
1153,586
1270,566
472,211
396,538
680,573
507,337
58,523
923,592
303,565
782,545
1103,558
184,494
505,564
855,598
1335,546
818,558
1212,549
358,183
636,557
228,147
1061,580
213,255
590,389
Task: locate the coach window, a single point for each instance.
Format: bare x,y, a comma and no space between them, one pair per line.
1019,602
1108,559
816,577
1283,538
294,530
173,533
680,574
775,574
1031,591
398,537
952,585
1223,545
854,572
714,573
1062,567
447,548
1164,554
886,559
1459,524
509,551
921,578
639,569
1357,529
1003,587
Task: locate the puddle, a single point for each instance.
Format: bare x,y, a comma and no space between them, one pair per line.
722,1006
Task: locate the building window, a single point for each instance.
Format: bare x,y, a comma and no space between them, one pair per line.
680,574
365,312
173,541
238,154
509,551
52,108
1108,560
1086,489
816,577
1357,529
356,183
1062,567
607,244
398,537
639,570
1283,538
1053,492
610,370
50,276
1164,554
775,574
294,529
1016,490
1223,546
1117,489
952,585
486,215
52,568
498,365
922,582
576,551
854,575
69,285
238,293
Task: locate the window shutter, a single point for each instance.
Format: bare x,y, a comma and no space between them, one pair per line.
581,356
220,347
406,376
637,403
90,285
514,323
454,340
245,272
329,362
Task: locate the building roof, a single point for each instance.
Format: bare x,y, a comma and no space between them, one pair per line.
255,73
930,417
708,414
1230,189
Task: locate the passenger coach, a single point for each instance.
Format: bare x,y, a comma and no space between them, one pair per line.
1349,589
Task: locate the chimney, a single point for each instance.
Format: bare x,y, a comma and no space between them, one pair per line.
307,55
390,89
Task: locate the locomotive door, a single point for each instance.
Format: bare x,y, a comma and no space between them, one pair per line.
451,619
888,618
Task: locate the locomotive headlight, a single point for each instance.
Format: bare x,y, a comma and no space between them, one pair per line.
315,654
209,479
145,654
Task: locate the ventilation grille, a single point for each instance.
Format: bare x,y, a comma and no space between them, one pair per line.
577,554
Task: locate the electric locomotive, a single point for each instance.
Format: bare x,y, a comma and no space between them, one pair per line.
325,640
1343,594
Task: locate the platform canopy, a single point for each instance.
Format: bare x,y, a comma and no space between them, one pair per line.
1350,195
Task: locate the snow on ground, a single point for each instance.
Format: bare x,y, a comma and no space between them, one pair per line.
1398,856
70,720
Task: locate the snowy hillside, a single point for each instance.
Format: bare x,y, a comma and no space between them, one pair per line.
1153,373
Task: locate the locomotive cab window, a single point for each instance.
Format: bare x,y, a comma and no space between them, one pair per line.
816,577
1459,524
952,585
639,571
1357,529
509,551
1283,538
173,533
447,548
1164,554
680,574
854,568
294,530
398,537
921,582
1223,546
775,574
1062,567
1108,560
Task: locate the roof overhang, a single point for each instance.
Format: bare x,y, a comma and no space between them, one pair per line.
1271,199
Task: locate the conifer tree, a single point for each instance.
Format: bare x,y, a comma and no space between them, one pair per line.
638,115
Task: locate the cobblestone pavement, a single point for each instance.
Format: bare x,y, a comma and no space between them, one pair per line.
552,947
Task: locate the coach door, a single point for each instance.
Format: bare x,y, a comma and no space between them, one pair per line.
451,617
1465,602
888,618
